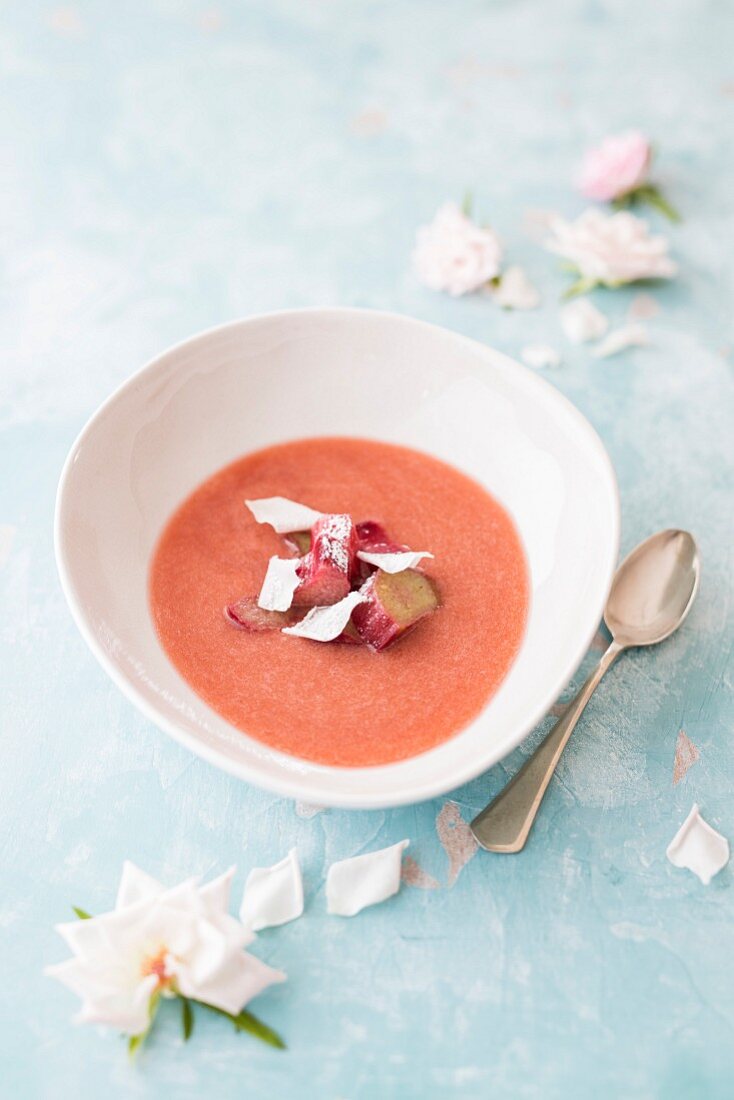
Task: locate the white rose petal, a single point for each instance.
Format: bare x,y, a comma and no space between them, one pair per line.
628,336
283,515
611,248
582,321
698,847
281,581
539,356
395,562
324,624
455,254
273,895
515,291
160,940
353,884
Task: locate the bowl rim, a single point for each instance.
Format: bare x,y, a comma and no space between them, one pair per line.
288,783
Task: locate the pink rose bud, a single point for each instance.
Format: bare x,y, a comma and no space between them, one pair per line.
616,167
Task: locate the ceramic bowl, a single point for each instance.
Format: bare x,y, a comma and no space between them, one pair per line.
302,373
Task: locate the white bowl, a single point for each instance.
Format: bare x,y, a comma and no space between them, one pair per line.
302,373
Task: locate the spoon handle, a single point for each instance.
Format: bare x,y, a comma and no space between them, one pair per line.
504,825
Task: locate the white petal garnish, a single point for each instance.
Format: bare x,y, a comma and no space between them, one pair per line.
699,847
273,895
539,356
396,562
281,581
282,514
628,336
515,291
323,624
582,321
353,884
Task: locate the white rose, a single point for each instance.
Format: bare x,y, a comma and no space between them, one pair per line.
454,254
611,248
159,942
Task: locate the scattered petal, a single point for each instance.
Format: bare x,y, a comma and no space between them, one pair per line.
456,839
515,291
394,562
353,884
370,122
539,356
281,581
536,223
282,514
582,321
628,336
699,847
686,755
324,624
307,811
273,895
414,875
643,307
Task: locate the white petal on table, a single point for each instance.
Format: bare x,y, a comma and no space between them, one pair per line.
324,624
539,356
628,336
515,291
353,884
273,895
281,581
396,562
698,847
282,514
582,321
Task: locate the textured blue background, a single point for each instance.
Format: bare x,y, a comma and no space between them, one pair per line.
170,165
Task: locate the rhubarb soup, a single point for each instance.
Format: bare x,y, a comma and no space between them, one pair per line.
345,601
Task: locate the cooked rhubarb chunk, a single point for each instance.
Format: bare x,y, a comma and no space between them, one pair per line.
246,615
374,539
395,603
298,541
350,635
327,568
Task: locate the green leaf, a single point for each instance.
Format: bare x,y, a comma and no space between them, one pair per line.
655,198
467,203
82,913
247,1021
187,1018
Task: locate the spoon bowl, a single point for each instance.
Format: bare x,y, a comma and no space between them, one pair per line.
653,589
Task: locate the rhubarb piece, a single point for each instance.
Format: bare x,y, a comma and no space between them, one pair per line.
282,514
281,581
373,539
350,635
298,541
246,615
393,604
394,562
327,568
325,624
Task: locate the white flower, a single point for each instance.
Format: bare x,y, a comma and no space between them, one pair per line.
610,248
159,941
515,291
455,254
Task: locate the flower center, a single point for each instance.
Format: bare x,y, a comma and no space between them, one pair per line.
156,964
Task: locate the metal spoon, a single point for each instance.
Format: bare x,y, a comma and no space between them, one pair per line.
651,594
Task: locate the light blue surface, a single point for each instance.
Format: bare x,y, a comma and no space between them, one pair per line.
168,166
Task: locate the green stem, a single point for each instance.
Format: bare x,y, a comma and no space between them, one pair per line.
467,203
135,1042
581,286
246,1021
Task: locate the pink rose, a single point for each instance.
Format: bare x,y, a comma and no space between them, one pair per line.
455,254
616,167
